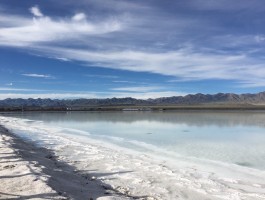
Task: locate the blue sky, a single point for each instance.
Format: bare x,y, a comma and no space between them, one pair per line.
121,48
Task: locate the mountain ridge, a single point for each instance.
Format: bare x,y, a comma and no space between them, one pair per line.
190,99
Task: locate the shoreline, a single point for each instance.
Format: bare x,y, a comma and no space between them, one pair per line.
31,172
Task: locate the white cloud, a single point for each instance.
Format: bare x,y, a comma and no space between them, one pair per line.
36,11
101,76
79,17
9,84
44,35
38,75
187,64
61,59
134,82
45,29
138,89
47,95
252,83
19,89
146,95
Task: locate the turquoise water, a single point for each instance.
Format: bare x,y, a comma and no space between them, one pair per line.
231,137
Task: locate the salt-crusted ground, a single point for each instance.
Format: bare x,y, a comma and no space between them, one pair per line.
28,172
20,178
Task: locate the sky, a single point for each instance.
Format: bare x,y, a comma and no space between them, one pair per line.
130,48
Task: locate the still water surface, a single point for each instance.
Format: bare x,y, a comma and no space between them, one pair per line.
230,137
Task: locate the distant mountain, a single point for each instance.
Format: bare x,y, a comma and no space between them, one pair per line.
191,99
220,98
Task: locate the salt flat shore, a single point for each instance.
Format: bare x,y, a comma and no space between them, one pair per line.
58,163
30,172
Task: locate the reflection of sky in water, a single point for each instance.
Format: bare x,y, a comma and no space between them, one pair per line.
236,137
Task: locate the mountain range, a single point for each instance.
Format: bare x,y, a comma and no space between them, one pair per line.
191,99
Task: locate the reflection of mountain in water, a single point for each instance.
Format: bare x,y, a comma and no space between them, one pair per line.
199,118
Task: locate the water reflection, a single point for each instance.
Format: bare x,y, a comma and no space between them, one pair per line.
190,118
233,137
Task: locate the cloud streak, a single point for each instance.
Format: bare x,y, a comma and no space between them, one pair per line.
38,75
19,89
185,64
101,76
51,95
138,89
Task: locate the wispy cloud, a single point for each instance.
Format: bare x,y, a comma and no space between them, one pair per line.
238,42
146,95
48,95
9,84
225,5
186,64
132,82
252,83
62,59
121,81
128,37
42,28
38,75
138,89
260,38
101,76
19,89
